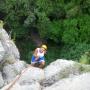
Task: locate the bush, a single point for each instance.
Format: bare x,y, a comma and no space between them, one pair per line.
85,58
75,51
26,49
55,31
76,30
84,29
70,34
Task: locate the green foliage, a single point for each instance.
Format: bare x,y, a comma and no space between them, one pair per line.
26,49
85,58
53,53
29,20
52,29
47,17
75,51
1,24
73,12
55,31
84,31
61,21
85,6
68,52
77,30
42,25
70,35
18,15
44,6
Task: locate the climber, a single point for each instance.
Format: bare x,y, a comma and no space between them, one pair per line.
37,59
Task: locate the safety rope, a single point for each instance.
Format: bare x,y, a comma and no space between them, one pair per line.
17,78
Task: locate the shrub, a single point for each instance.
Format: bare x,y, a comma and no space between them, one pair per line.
75,51
70,34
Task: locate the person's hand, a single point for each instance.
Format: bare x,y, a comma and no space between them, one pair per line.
36,58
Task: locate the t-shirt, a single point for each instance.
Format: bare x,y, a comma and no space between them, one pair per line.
39,52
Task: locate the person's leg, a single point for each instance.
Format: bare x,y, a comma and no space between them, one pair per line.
39,63
33,62
42,64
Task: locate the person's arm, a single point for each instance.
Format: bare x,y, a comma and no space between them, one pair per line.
35,54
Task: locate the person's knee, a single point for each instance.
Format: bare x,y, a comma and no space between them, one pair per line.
42,65
32,64
39,64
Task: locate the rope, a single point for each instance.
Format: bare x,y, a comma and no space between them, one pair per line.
17,78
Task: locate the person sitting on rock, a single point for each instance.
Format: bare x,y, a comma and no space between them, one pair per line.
38,59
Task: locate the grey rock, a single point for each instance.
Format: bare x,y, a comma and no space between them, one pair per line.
80,82
11,48
32,74
31,86
59,75
1,80
2,51
19,66
60,69
3,35
9,59
8,44
9,73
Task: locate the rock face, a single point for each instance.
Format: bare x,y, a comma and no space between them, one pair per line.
32,74
8,44
29,86
10,71
59,75
1,80
60,69
80,82
10,64
2,51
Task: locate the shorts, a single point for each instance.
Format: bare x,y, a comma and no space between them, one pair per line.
41,59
